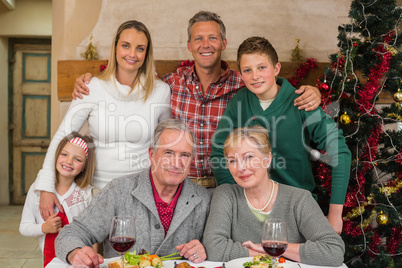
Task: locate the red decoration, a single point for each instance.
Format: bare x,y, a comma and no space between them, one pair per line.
339,64
373,85
186,63
103,67
396,240
324,87
374,244
303,71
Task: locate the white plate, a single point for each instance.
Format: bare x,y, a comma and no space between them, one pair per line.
106,261
206,264
238,263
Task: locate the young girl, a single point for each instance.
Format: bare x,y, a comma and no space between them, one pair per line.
74,169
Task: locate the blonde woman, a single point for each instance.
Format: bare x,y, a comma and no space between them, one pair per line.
127,103
234,224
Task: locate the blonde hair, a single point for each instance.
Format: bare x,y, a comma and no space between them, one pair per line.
85,177
147,69
256,134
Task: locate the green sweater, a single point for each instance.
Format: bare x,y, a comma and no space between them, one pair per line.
291,132
231,222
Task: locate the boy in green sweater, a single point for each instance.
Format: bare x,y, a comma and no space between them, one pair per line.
267,100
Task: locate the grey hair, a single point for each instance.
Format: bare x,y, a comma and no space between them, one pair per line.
171,124
206,16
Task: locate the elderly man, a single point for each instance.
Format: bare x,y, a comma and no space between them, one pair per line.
200,93
170,211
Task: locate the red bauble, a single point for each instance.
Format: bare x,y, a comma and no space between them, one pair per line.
324,87
355,44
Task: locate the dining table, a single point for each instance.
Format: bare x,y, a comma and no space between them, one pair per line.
236,263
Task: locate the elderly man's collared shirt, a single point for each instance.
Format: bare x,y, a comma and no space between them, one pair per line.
200,112
165,210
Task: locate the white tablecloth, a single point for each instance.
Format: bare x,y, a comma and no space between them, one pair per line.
57,263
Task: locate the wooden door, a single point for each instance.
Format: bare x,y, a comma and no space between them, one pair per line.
30,115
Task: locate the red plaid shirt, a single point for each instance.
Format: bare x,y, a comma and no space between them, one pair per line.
200,112
165,210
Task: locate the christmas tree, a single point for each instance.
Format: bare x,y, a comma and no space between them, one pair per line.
367,64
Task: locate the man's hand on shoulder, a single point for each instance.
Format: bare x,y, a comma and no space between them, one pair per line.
310,98
47,202
80,86
85,256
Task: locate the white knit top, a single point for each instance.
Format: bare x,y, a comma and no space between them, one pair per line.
121,125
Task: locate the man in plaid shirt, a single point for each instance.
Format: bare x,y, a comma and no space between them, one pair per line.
201,90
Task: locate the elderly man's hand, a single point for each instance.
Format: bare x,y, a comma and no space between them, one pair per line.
85,256
193,251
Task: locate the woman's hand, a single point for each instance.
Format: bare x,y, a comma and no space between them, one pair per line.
47,202
80,86
52,224
310,98
85,256
193,251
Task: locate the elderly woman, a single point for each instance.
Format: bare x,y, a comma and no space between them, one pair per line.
237,212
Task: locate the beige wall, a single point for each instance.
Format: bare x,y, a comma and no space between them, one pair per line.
31,18
72,21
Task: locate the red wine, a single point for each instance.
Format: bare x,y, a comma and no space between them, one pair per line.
122,244
274,249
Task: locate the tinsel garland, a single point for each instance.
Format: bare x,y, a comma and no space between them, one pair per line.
374,244
351,229
302,71
377,72
396,240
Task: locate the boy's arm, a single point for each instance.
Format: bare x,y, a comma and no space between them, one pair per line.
335,217
329,138
218,162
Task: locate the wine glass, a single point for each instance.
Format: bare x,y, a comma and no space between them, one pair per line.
122,235
274,238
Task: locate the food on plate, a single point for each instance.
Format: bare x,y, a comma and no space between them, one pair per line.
134,260
145,263
118,264
259,261
156,261
281,260
183,265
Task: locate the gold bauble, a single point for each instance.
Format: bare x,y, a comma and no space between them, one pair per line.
345,119
382,218
398,96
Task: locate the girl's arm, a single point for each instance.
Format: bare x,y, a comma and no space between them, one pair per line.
30,224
